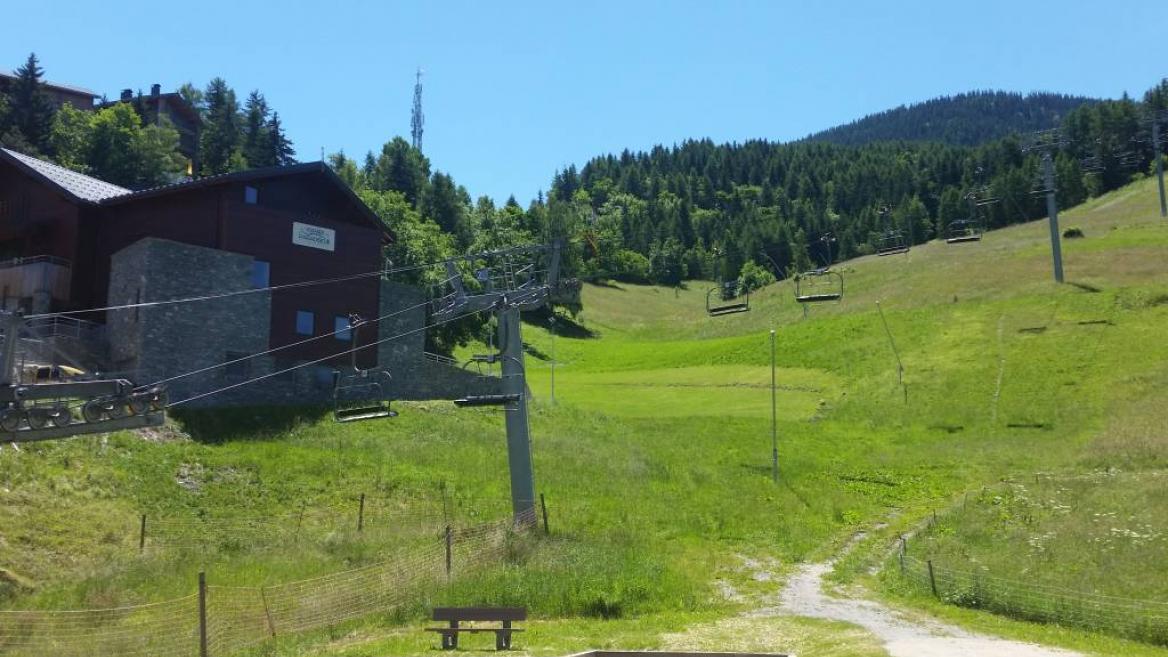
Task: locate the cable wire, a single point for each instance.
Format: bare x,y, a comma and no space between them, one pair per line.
323,359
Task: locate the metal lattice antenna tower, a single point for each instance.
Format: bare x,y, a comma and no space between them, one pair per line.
416,118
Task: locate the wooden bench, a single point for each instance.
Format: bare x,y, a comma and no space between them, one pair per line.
456,615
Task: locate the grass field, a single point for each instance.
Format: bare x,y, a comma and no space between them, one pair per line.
655,457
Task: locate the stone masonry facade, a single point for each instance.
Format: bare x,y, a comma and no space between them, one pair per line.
155,343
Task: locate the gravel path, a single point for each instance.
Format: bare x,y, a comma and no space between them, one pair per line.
803,596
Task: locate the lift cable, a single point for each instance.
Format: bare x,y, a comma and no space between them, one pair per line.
286,286
275,349
321,360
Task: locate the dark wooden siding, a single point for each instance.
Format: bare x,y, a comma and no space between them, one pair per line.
217,217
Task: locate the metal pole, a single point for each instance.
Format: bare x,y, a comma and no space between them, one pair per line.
202,614
1052,214
518,438
552,322
12,322
774,417
1159,166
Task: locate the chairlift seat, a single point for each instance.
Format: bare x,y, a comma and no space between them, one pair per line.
471,401
727,292
360,396
729,309
960,239
816,298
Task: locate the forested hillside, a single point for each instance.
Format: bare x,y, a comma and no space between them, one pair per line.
701,210
966,119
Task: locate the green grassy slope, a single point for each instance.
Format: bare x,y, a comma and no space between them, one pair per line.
655,457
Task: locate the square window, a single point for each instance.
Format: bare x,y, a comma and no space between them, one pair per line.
305,322
261,274
250,195
344,331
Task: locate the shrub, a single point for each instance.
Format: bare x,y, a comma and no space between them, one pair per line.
1072,233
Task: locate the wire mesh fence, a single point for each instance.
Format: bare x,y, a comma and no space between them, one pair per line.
222,620
1142,620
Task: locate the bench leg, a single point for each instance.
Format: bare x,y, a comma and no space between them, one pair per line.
502,640
449,640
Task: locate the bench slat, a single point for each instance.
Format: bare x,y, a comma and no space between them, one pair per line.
473,630
480,613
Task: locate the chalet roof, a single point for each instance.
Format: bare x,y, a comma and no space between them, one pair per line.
83,188
6,73
77,185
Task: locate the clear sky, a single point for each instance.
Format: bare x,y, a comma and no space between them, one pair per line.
514,91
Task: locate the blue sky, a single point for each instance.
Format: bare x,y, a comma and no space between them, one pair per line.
514,91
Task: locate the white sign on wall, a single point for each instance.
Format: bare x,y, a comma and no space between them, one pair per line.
314,236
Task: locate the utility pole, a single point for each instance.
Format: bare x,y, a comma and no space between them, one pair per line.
774,417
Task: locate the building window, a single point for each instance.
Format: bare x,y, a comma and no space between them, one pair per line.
342,328
250,195
305,322
237,371
261,272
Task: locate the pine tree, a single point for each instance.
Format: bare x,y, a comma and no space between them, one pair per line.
30,112
257,140
282,152
222,137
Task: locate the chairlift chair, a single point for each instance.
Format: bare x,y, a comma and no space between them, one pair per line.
485,395
819,286
728,302
892,242
362,394
963,231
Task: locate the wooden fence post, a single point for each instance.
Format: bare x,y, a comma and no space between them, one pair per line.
449,551
543,505
933,580
299,521
361,514
142,534
202,614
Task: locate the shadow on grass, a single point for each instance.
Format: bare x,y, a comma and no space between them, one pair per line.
220,425
1085,287
565,327
765,471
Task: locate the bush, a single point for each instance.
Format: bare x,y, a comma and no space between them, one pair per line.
754,276
630,267
1072,233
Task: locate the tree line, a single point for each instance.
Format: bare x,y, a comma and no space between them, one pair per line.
116,142
967,119
739,211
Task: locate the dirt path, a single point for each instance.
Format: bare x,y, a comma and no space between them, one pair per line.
803,595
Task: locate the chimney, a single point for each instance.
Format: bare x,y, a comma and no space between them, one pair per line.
155,89
127,94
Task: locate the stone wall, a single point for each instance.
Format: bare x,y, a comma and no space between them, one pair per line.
151,344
